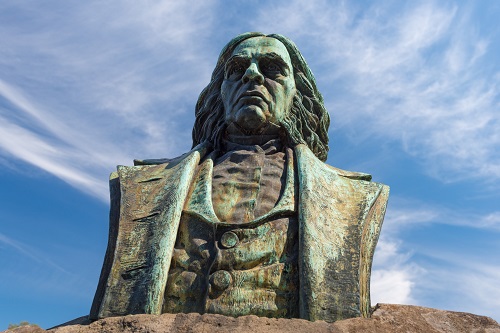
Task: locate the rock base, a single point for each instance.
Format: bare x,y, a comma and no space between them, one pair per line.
386,318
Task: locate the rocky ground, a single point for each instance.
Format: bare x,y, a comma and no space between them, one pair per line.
386,318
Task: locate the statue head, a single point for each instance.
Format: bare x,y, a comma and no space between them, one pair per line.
262,85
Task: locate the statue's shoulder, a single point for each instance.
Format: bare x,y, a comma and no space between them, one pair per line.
360,185
360,180
151,168
350,174
202,149
307,157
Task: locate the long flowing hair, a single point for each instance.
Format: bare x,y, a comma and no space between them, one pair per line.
306,123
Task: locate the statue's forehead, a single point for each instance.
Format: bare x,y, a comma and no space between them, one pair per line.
257,46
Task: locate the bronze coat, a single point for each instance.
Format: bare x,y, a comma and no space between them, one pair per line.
340,216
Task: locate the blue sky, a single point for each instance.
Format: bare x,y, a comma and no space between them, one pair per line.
412,89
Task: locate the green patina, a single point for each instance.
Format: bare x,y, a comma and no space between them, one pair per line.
251,220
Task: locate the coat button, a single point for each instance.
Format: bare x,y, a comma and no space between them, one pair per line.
229,239
220,280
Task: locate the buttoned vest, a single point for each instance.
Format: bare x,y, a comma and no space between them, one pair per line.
235,268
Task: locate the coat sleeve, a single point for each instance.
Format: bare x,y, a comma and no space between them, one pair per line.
114,215
369,238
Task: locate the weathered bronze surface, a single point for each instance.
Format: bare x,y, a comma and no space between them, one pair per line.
251,220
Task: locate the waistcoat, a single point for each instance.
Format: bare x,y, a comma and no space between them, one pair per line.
235,268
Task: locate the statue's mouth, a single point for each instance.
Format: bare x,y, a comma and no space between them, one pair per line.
253,94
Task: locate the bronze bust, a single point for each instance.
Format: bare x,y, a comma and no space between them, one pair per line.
251,220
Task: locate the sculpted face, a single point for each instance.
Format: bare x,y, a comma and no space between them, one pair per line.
258,86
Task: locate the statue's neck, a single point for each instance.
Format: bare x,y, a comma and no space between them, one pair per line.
258,137
251,140
269,147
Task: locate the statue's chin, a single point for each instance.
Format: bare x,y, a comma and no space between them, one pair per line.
250,118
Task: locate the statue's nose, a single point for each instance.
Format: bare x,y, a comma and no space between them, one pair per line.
253,74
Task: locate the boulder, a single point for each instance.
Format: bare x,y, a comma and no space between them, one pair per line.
386,318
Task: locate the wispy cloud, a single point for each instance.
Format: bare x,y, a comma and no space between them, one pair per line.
471,283
29,268
100,85
115,86
29,252
421,77
49,145
437,273
394,276
405,214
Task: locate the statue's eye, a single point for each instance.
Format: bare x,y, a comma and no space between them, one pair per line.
235,70
270,67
